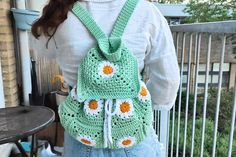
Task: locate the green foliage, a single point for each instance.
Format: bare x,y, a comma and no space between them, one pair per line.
170,1
222,139
225,111
199,104
208,11
226,102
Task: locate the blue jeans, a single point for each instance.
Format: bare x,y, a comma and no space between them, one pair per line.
150,147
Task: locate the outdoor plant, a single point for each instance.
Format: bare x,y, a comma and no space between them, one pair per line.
226,103
208,11
222,139
199,104
225,111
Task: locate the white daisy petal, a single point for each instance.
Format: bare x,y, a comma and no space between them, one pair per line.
73,93
126,142
86,140
93,107
124,108
144,94
74,96
107,69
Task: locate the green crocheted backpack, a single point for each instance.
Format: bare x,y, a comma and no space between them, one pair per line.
111,106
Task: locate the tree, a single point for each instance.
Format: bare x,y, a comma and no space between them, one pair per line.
213,10
169,1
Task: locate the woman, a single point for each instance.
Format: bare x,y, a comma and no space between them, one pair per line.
62,36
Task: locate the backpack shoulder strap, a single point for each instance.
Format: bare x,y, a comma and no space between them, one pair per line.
88,21
95,30
123,18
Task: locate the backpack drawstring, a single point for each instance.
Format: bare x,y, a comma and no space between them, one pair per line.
107,122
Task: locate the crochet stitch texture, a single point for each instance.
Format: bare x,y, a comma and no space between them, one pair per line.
124,82
111,106
80,124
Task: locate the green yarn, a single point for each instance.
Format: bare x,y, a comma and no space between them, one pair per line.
125,82
75,120
112,107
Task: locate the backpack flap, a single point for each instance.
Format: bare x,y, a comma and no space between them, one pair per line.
99,78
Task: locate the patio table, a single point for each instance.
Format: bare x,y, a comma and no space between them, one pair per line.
20,122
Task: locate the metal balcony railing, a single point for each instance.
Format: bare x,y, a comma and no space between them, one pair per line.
206,54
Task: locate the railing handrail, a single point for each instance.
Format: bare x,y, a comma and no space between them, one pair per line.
208,27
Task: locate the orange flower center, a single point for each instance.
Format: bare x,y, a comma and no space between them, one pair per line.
93,104
85,141
107,69
143,91
125,107
126,142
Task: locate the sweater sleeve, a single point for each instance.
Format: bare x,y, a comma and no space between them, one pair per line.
161,61
41,49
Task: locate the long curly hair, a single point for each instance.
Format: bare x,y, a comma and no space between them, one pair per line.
54,13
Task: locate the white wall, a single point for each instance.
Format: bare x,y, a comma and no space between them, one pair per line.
172,10
37,4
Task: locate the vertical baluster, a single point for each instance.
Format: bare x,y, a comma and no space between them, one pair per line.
158,123
197,56
164,130
180,93
187,94
205,94
218,96
168,126
194,61
177,43
155,121
173,111
172,131
231,135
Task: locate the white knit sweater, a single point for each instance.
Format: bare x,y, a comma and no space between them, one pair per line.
147,35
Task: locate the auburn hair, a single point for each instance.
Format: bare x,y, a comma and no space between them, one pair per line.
54,13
